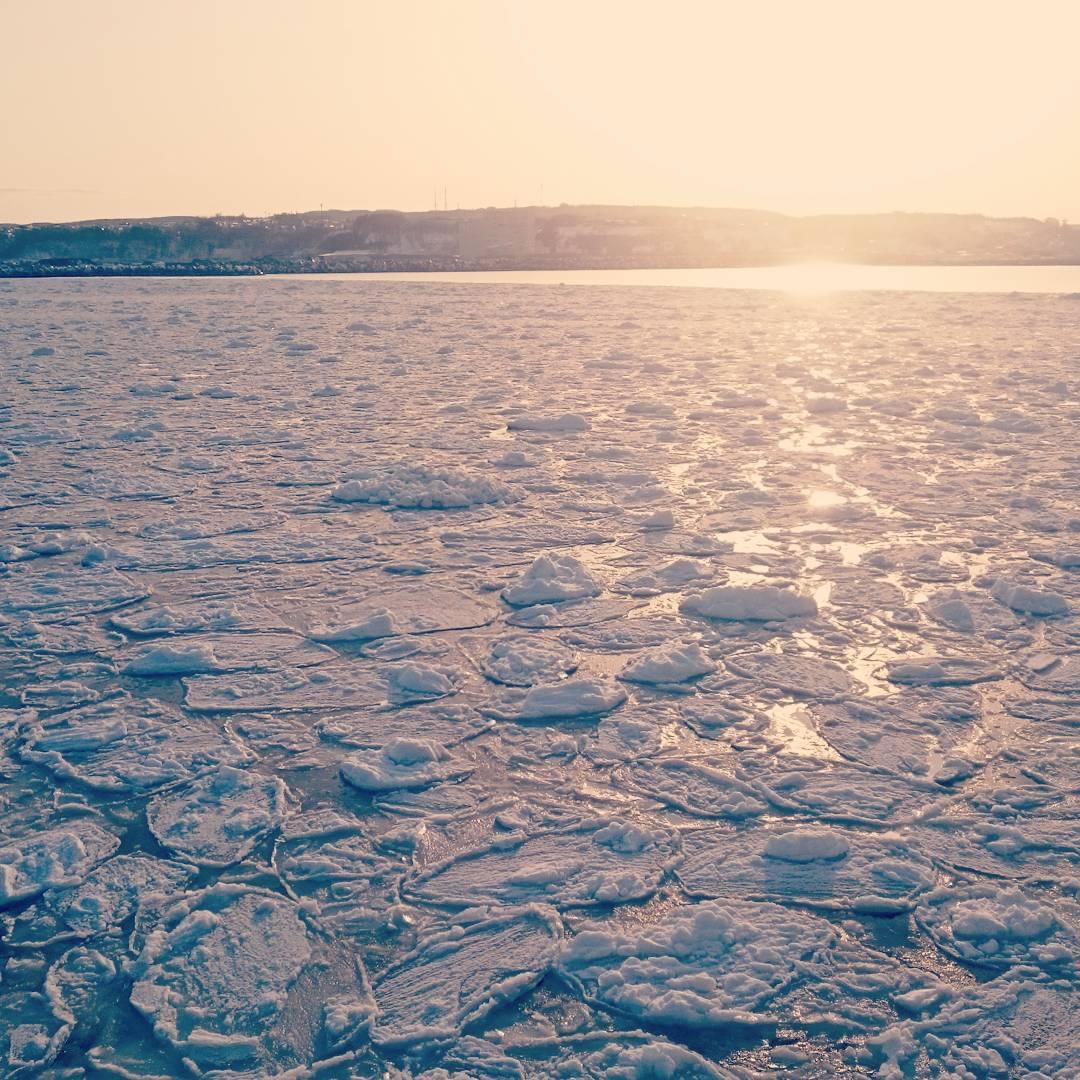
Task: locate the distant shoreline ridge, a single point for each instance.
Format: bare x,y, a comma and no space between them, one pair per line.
525,238
331,265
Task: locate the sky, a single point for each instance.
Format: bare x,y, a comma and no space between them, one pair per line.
125,108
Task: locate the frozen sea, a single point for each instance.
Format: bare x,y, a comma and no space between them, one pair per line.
456,681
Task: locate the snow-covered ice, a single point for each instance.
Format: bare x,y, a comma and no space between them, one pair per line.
570,682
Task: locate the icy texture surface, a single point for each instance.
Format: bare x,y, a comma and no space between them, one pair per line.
507,682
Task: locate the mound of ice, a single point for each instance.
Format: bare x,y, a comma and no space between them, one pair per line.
379,623
673,664
219,818
407,609
214,980
526,660
552,579
659,519
549,422
415,680
1029,601
402,763
806,845
422,487
750,603
570,698
163,660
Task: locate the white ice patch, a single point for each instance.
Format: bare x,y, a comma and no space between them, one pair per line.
215,979
568,699
219,818
596,862
750,603
674,664
423,487
49,858
458,976
552,579
827,868
402,763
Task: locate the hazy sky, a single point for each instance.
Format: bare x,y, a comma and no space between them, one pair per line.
138,107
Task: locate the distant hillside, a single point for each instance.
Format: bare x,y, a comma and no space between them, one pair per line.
565,236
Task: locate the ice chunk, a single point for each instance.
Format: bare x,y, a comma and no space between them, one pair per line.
794,673
61,855
552,579
570,698
997,927
596,862
218,819
552,422
128,744
1030,601
402,763
524,660
713,963
826,868
330,686
441,723
423,487
213,982
417,609
696,787
673,664
458,976
750,603
123,886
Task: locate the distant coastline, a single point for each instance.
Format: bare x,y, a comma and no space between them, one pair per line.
277,267
524,238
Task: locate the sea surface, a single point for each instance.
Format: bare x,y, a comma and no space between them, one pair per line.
432,681
801,278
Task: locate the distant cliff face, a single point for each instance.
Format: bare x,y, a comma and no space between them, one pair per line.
594,233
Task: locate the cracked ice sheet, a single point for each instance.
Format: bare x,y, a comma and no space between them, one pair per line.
458,976
215,978
722,962
129,745
598,862
904,460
